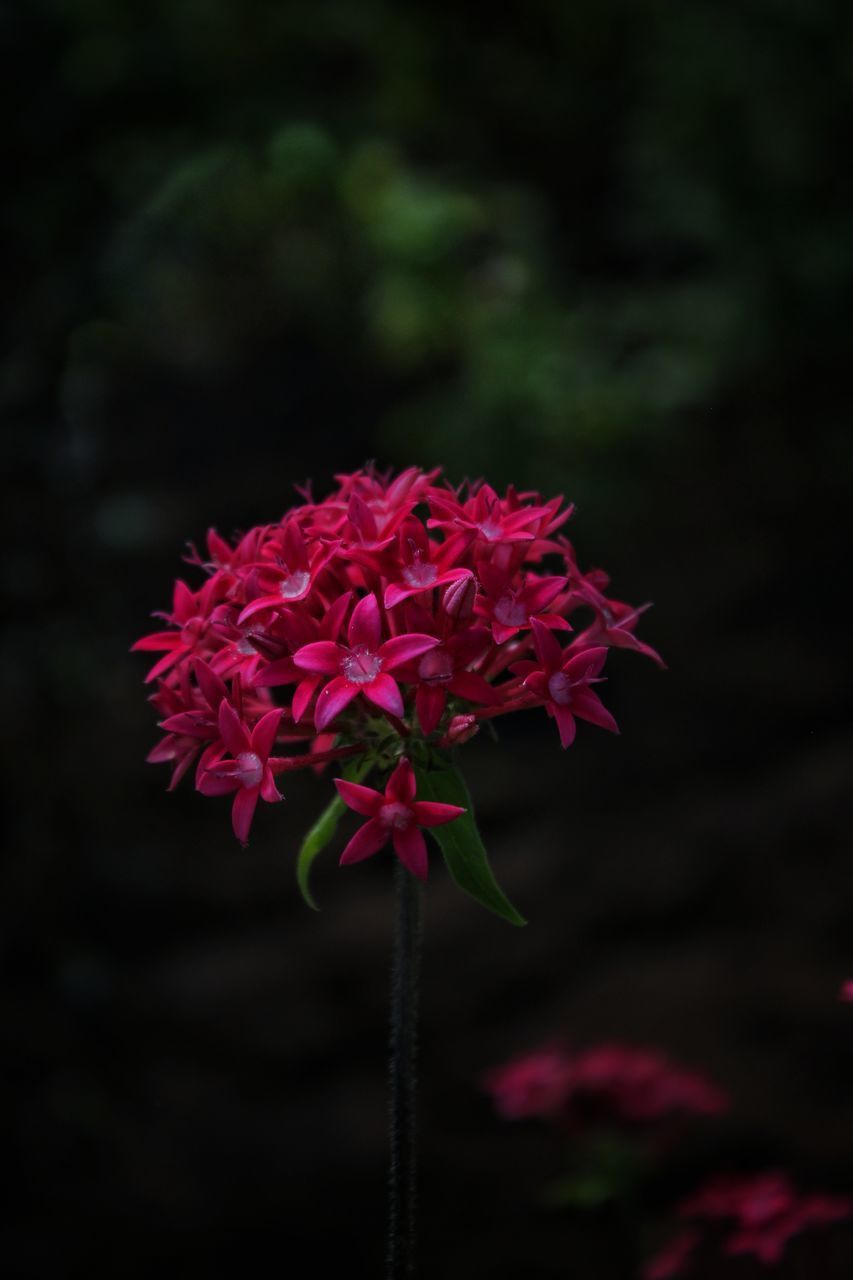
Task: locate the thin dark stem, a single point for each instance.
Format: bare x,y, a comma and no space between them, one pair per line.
405,975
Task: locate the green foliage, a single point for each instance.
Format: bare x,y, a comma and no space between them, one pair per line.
460,842
538,251
323,831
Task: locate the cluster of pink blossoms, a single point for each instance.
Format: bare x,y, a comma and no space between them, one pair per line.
396,612
764,1212
603,1084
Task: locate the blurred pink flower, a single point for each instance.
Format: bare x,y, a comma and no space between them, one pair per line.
607,1083
766,1212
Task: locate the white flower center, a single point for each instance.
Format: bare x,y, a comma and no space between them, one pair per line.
251,769
395,815
511,611
295,584
360,666
420,574
560,689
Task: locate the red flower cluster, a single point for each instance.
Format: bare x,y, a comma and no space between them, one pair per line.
396,606
766,1211
608,1083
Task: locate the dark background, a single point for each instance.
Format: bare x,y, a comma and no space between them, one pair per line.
604,248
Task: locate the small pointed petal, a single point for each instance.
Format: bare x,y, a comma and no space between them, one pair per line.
410,848
547,646
540,594
397,593
365,626
383,692
243,811
363,800
589,706
302,696
263,734
332,700
282,671
156,641
232,730
183,601
429,813
537,683
402,784
333,620
324,656
368,840
430,701
209,784
210,684
192,724
565,723
586,665
269,791
181,768
258,606
404,648
467,684
168,660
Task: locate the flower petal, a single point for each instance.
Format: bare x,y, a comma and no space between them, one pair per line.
565,723
365,626
410,848
363,800
467,684
282,671
302,696
323,656
586,665
547,646
383,692
263,734
589,706
368,840
332,700
232,730
403,648
259,605
430,813
269,791
210,684
163,664
430,701
158,640
402,785
242,812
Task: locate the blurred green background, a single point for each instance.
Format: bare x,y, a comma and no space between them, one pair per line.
604,249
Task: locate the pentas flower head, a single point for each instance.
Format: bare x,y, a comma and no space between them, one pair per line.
386,620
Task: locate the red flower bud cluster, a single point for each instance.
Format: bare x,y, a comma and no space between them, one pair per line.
397,606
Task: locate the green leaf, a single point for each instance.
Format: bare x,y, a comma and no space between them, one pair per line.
324,830
460,841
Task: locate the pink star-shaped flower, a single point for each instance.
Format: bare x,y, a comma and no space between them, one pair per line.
249,774
361,666
394,815
562,680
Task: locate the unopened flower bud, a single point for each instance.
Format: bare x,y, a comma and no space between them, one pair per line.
459,598
461,729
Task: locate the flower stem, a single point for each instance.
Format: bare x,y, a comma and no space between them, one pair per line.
405,974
